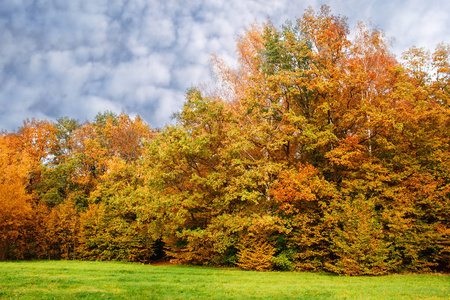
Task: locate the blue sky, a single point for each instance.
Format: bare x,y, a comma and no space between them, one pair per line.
79,57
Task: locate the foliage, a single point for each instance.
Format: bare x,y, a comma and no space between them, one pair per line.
16,210
63,231
318,151
255,255
107,236
283,261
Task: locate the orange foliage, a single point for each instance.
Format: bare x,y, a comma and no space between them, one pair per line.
16,210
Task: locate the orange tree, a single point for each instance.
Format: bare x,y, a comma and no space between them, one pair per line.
15,203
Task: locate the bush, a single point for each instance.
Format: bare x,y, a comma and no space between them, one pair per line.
283,261
256,255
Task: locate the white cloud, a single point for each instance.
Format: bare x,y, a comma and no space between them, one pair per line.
127,77
418,23
167,105
92,105
80,57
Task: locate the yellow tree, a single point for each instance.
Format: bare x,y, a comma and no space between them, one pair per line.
63,231
15,203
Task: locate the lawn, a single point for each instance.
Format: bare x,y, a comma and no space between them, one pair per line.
114,280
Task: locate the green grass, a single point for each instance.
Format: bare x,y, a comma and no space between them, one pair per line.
114,280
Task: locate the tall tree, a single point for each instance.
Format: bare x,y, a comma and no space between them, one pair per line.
15,203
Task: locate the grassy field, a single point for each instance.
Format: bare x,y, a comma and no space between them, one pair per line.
113,280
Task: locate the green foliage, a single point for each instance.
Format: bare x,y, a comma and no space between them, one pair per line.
283,261
107,236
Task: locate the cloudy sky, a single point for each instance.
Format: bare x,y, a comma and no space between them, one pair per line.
79,57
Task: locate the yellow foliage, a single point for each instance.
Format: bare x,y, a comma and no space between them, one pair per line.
15,208
63,229
255,254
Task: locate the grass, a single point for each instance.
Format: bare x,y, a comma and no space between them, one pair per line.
114,280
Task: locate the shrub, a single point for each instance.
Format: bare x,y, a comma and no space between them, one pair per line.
255,255
283,261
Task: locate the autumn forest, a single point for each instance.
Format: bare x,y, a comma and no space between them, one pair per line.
319,151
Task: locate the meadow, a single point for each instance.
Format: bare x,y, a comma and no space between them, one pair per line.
116,280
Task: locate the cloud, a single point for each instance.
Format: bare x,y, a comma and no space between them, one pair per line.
78,57
420,23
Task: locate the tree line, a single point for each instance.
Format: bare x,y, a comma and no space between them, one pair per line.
317,152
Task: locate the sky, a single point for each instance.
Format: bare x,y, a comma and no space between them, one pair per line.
77,58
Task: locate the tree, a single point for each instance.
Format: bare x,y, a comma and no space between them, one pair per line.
15,204
321,131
